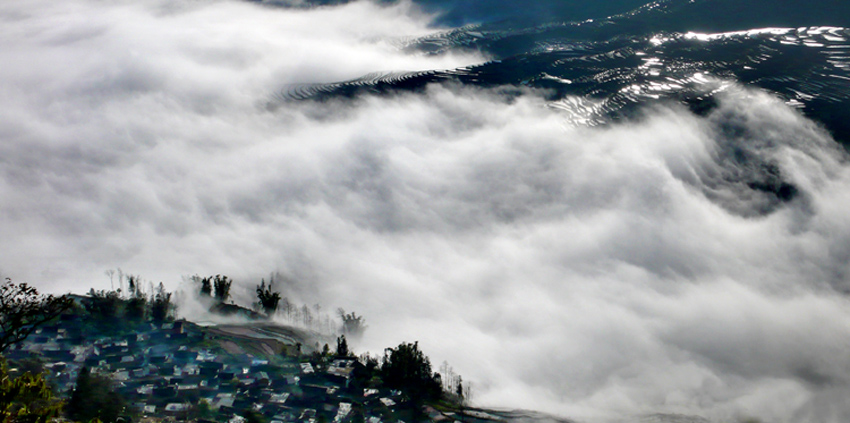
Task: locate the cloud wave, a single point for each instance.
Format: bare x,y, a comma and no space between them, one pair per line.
590,272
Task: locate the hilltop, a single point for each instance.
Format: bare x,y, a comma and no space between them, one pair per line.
113,357
259,371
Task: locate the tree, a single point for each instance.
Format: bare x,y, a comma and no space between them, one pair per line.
26,399
357,415
287,308
222,287
352,324
459,393
22,309
135,308
94,397
342,347
206,285
268,299
407,369
161,306
82,393
103,305
203,410
307,316
252,416
111,273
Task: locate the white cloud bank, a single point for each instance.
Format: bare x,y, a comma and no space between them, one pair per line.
592,273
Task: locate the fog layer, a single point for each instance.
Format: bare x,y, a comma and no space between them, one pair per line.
593,273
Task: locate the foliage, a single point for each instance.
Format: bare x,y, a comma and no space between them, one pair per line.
222,287
206,285
109,307
357,415
94,397
203,410
342,347
252,416
407,369
352,324
26,399
30,364
161,306
22,309
268,299
137,304
103,305
136,309
371,364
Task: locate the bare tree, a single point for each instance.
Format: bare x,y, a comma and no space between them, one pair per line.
22,309
110,273
287,307
307,316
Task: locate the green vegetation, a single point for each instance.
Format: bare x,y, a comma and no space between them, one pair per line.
109,349
22,309
407,369
137,303
161,307
95,397
104,306
109,310
26,399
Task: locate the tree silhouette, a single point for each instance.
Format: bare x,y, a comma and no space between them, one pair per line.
268,299
352,324
22,309
407,369
94,397
222,287
161,306
307,316
287,308
103,305
252,416
342,347
135,307
206,285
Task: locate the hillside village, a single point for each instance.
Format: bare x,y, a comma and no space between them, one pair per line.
254,372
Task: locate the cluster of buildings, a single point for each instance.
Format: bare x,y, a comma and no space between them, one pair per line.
176,371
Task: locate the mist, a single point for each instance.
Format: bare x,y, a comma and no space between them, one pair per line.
596,273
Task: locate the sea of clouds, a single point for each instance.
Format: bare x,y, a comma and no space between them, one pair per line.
593,273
